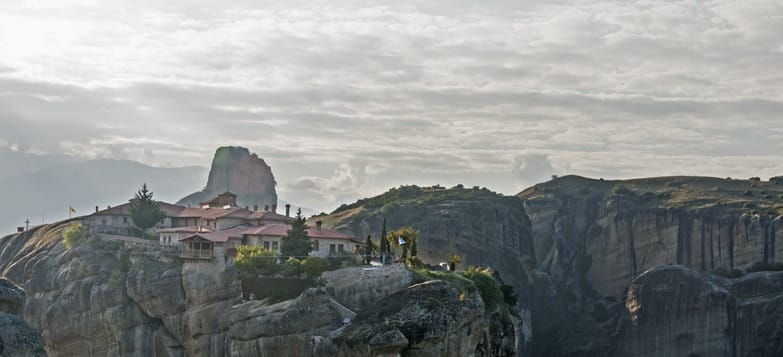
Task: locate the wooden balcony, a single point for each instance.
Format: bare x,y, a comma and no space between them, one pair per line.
195,253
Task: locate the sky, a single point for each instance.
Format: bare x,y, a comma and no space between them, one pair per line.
347,98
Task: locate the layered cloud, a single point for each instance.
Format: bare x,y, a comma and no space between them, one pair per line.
346,98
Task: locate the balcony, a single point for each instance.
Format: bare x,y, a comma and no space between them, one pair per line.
196,253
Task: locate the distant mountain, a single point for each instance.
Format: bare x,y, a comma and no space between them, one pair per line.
32,187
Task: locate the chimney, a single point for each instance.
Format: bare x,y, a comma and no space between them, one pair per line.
274,208
108,207
255,207
318,224
288,210
96,208
266,208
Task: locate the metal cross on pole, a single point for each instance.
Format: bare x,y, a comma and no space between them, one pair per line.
27,224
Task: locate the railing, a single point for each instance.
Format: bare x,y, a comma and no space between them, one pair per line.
142,245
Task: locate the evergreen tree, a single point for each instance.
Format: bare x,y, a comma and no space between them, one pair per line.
384,243
144,211
368,250
413,246
296,243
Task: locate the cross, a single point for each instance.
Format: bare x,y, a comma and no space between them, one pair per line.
27,224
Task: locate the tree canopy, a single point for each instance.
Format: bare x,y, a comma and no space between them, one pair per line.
408,236
296,243
145,211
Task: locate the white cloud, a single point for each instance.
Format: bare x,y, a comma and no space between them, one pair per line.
348,97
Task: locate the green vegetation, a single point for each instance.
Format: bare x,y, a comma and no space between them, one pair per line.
488,287
473,279
296,243
384,243
292,267
73,235
253,260
408,236
314,266
368,250
144,211
456,280
453,261
414,262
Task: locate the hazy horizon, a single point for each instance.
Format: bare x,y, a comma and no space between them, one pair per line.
347,98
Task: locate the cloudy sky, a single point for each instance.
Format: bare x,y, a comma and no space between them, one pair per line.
346,98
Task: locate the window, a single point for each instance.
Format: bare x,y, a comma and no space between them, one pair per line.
125,220
214,224
331,248
103,222
315,245
266,245
274,246
341,248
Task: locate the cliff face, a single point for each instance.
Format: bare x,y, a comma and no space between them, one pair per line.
17,338
236,170
677,311
103,298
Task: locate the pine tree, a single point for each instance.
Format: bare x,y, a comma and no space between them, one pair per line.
144,211
384,243
368,250
296,243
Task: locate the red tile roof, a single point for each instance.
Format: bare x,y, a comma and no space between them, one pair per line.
221,236
193,229
282,230
214,213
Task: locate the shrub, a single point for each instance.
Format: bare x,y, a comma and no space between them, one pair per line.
254,260
314,266
621,190
292,267
414,263
456,280
748,193
488,287
757,179
73,235
509,296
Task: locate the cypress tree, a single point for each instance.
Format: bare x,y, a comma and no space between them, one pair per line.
368,250
413,247
384,243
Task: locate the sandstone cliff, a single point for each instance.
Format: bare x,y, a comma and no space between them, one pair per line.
236,170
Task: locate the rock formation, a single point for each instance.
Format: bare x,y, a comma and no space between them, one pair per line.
677,311
236,170
103,298
610,268
17,338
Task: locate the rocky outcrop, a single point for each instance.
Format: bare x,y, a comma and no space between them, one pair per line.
677,311
17,338
427,319
358,288
102,298
236,170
